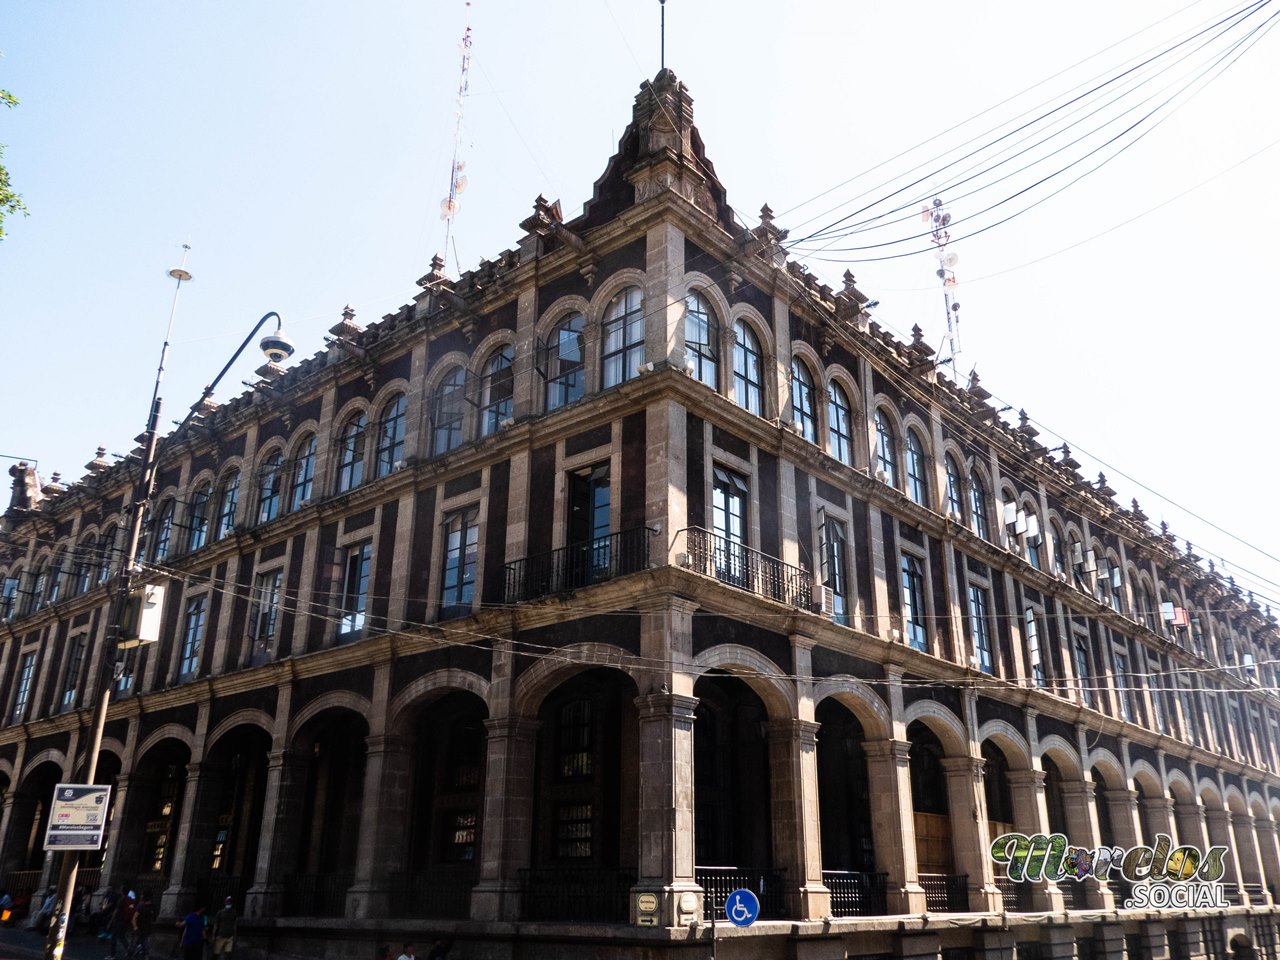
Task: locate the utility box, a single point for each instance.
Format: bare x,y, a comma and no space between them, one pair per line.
142,616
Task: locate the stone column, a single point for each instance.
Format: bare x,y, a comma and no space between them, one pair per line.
10,854
666,809
893,824
1218,827
174,900
1109,940
384,819
281,827
1192,937
1265,828
1246,853
1031,816
1058,941
1155,940
508,817
970,842
1123,806
1080,807
797,846
1159,811
1191,825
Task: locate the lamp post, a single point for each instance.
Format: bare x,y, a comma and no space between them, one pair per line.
277,347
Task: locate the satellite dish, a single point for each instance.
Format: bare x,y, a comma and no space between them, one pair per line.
460,185
951,260
946,219
448,208
939,255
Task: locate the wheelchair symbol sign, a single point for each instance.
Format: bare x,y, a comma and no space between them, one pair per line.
741,908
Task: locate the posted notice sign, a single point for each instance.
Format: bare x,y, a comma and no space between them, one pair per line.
77,817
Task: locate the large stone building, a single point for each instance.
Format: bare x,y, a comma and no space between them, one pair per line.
630,568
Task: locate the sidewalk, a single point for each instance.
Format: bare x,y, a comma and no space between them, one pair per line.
22,944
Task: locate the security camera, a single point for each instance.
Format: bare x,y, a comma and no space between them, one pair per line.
277,347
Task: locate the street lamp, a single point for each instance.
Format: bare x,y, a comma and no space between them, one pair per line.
277,347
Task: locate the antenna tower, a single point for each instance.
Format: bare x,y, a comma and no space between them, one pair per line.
939,219
457,179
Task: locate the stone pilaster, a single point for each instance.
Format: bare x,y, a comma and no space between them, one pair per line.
384,820
893,823
666,808
1218,827
1031,816
173,902
278,846
970,840
1265,830
508,817
793,767
1246,853
1159,816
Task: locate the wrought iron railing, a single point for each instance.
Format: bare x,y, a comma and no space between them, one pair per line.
1254,891
1075,895
1121,891
945,892
578,565
1015,896
443,892
19,881
718,882
578,893
740,566
89,878
856,894
316,894
212,889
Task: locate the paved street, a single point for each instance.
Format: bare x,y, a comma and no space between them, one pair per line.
22,944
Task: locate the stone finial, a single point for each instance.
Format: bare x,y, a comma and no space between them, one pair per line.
1188,548
850,284
54,487
347,326
26,487
99,462
436,275
917,336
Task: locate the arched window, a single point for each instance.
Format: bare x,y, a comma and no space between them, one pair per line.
351,453
623,337
496,388
55,578
978,503
86,565
917,470
270,480
228,501
447,412
886,451
198,520
390,450
1059,550
840,424
565,362
1033,539
302,482
107,554
802,410
163,538
748,390
955,489
39,584
702,340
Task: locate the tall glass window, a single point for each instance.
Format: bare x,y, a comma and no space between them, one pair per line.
702,340
1034,656
107,553
86,565
978,611
228,499
955,489
565,362
978,502
623,338
1123,681
496,390
354,598
351,453
164,531
448,412
461,550
840,424
913,602
266,608
729,524
390,450
917,470
198,519
270,480
834,568
748,386
803,413
886,450
304,474
1080,652
192,637
71,677
8,597
26,672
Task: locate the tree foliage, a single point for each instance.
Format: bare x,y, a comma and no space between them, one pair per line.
10,202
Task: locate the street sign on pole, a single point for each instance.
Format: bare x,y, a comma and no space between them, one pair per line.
741,908
77,817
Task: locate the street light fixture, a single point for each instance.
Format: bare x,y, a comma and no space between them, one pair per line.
277,347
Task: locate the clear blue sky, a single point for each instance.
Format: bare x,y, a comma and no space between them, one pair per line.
302,149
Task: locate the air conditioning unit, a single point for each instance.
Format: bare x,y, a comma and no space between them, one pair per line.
683,560
142,616
895,634
955,517
882,476
398,465
973,662
824,599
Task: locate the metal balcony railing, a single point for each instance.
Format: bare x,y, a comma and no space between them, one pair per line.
316,894
718,882
576,893
578,565
740,566
856,894
443,892
1015,896
945,892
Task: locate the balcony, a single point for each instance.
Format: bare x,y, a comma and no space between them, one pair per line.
740,566
718,882
1014,895
856,894
578,565
945,892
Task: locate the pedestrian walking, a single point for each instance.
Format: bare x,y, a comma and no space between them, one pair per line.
121,928
192,940
144,920
224,929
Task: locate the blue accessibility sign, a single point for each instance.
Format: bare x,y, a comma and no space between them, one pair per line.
741,908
